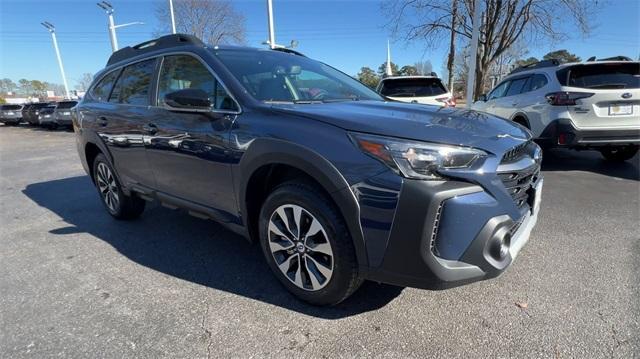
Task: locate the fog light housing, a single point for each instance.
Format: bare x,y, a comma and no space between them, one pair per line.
499,246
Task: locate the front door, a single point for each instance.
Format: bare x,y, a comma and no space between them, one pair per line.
188,151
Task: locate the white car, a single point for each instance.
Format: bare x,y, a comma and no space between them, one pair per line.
586,105
428,90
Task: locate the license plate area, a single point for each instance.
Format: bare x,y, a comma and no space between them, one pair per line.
620,109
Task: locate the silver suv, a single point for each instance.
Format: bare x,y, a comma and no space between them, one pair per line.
586,105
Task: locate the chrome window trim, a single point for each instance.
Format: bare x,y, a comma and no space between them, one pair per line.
161,56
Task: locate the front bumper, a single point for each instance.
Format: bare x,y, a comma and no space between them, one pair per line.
449,241
562,133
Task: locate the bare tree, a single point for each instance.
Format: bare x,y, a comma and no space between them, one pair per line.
503,23
213,21
83,83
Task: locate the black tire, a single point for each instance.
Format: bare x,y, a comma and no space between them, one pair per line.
126,207
345,279
619,154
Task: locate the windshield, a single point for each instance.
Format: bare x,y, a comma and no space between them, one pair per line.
412,87
66,104
278,76
624,75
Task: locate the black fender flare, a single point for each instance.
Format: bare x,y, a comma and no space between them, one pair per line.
265,151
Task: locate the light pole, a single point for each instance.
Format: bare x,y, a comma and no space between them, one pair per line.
173,19
272,35
112,26
475,34
52,31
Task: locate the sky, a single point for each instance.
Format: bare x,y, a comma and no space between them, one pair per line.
344,34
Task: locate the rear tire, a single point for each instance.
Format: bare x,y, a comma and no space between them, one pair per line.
310,251
620,153
119,205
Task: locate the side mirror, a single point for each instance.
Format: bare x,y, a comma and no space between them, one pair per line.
482,98
196,100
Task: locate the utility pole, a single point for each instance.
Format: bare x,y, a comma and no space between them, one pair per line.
112,26
452,46
388,70
471,78
52,31
173,19
272,35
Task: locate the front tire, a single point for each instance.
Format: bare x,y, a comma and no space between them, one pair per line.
619,154
119,205
307,245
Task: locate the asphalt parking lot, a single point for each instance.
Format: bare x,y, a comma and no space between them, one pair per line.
76,283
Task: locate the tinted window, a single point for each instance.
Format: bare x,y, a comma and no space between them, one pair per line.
11,107
186,72
537,81
417,87
517,86
280,76
602,76
66,104
134,83
101,91
498,91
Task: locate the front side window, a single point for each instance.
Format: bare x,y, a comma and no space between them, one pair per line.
280,76
181,72
499,91
133,84
413,87
101,91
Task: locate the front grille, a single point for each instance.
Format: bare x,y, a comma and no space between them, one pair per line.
516,152
518,184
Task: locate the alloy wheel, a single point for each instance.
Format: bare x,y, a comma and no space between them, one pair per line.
108,187
300,247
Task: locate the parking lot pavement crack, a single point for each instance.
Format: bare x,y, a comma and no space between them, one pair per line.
617,342
207,332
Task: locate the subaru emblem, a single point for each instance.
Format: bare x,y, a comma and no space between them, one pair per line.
626,95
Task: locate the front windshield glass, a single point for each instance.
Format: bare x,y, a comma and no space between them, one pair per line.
279,76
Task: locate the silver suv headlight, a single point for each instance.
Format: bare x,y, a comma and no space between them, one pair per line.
413,159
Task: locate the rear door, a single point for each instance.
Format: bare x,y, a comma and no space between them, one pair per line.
616,93
189,151
122,121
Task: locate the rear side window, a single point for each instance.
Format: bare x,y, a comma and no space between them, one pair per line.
133,85
181,72
101,91
517,86
418,87
601,76
537,81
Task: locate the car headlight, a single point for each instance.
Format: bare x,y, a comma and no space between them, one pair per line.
413,159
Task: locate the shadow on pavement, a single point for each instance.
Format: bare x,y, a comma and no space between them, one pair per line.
590,161
188,248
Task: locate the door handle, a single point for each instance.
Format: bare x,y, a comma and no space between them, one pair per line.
150,128
102,121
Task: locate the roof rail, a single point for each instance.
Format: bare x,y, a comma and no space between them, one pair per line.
536,65
167,41
289,51
613,58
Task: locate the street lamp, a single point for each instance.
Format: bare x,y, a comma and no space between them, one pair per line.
52,31
112,27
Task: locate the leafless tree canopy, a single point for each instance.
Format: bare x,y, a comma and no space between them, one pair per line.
503,23
213,21
84,82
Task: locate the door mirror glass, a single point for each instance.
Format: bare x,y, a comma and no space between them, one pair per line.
188,99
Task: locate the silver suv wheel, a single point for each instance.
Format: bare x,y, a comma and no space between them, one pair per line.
300,247
108,187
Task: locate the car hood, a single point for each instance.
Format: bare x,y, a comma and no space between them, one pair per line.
452,126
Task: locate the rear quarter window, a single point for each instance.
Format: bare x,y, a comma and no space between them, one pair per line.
102,89
601,76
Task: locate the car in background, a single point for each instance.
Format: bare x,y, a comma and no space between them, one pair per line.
31,112
586,105
11,114
428,90
62,113
45,117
